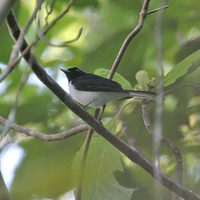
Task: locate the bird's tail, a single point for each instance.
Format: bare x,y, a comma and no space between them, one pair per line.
148,95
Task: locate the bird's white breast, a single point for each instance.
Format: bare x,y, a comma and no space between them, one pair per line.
93,98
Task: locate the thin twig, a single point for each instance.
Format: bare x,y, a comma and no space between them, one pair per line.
12,114
143,14
130,140
82,164
84,157
18,45
128,151
53,22
25,51
49,11
128,39
43,136
45,40
62,44
156,10
167,142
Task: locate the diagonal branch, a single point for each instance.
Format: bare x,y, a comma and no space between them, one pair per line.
167,142
128,39
128,151
84,158
143,14
12,113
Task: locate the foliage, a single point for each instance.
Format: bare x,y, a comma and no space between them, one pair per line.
186,66
48,170
104,185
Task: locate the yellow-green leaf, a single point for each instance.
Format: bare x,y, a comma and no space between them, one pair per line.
185,66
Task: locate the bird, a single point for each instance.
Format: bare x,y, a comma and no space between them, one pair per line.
95,91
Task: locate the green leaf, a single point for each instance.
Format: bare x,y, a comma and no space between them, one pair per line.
99,182
6,44
142,79
43,166
117,77
184,67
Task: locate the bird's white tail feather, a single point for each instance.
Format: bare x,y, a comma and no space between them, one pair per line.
142,94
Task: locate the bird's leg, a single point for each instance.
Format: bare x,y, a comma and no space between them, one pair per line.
85,106
103,108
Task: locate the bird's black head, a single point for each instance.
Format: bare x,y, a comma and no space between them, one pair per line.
72,73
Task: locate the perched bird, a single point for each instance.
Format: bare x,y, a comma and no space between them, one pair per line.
96,91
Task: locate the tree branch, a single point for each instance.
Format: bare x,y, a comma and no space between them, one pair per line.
12,113
62,44
5,7
167,142
84,158
143,14
128,39
156,10
42,136
25,52
13,56
128,151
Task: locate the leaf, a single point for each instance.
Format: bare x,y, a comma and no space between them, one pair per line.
99,182
6,44
186,65
117,77
45,164
142,79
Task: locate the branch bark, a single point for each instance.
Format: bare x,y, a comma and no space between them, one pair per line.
5,7
128,39
131,153
84,158
167,142
43,136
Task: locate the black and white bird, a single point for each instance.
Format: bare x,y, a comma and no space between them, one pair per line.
96,91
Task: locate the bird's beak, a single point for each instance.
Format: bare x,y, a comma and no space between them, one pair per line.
65,70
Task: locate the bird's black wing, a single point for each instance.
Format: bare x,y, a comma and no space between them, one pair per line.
92,82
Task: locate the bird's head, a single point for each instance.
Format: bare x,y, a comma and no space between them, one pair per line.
72,73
